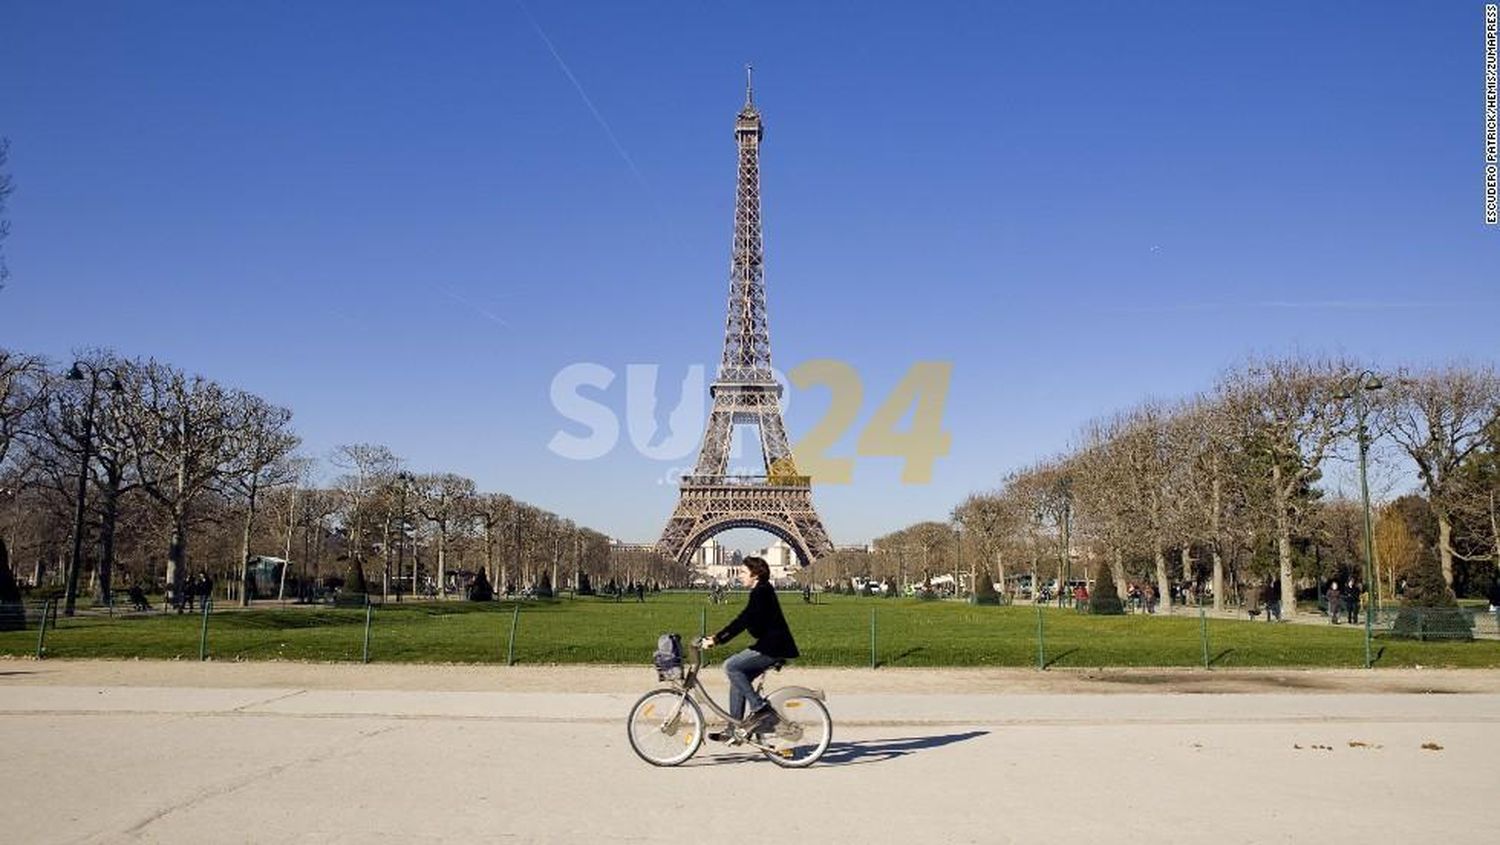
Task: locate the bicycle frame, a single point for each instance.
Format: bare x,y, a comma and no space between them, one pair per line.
690,685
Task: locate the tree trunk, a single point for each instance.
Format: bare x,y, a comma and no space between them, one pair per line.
489,557
1284,543
1218,560
291,528
1494,528
177,553
1445,544
385,552
1000,571
1188,575
1284,553
1163,583
110,518
1117,567
443,559
1214,526
245,549
416,566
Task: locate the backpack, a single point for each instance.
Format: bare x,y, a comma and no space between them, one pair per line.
668,657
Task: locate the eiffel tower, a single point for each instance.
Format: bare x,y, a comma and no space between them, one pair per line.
746,392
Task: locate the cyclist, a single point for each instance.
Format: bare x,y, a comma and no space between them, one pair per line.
773,644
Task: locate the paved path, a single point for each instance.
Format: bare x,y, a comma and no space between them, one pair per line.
213,759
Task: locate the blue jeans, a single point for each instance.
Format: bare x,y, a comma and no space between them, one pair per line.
743,669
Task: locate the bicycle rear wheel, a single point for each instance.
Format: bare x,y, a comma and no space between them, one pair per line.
802,735
665,727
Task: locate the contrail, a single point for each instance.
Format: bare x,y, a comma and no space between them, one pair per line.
479,309
568,72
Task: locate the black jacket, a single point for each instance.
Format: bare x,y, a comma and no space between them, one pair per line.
762,617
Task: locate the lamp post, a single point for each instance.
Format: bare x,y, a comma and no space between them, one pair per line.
958,558
1355,389
77,373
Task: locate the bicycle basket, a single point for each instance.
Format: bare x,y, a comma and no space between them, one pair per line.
668,657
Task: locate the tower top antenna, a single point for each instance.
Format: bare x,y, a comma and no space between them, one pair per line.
749,85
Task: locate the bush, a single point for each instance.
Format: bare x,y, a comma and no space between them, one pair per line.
1105,599
1429,611
544,587
1433,623
984,590
585,586
481,590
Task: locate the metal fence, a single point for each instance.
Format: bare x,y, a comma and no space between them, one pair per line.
873,632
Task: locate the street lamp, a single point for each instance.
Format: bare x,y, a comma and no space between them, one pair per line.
958,558
77,373
1355,389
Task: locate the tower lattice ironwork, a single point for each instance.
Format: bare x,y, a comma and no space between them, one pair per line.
746,392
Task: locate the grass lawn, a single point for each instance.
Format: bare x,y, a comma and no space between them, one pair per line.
835,632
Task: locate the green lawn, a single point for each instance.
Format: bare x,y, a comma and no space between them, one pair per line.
835,632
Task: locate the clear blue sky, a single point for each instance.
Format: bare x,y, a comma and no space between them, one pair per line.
402,220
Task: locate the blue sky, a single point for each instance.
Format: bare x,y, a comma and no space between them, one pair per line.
403,220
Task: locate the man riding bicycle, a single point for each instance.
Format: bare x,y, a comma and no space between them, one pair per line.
773,645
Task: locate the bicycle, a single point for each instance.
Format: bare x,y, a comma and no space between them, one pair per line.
666,725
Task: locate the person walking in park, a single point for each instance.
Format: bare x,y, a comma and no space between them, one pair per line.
1273,600
1335,604
762,617
1352,589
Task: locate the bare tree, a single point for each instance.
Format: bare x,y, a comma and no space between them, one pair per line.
1476,503
990,520
1148,473
22,379
180,431
262,443
287,504
444,499
115,471
6,186
368,468
1293,411
1212,487
1106,506
493,512
1441,418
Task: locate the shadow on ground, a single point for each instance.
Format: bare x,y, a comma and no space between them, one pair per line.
851,753
880,750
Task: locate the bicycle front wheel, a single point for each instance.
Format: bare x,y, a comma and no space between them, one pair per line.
802,735
665,727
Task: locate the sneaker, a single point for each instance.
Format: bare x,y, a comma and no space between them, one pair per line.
763,720
724,734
